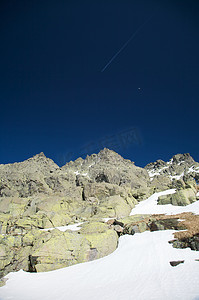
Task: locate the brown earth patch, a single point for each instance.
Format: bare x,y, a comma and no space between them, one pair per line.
187,220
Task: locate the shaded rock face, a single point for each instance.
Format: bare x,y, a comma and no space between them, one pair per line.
37,194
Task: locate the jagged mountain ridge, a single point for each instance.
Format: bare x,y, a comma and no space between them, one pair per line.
178,166
41,174
106,166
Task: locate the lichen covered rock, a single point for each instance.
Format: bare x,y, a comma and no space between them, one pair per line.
182,197
62,249
101,238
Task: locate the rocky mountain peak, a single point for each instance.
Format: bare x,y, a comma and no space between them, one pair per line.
180,158
37,163
109,155
40,155
27,177
107,166
105,157
156,165
180,168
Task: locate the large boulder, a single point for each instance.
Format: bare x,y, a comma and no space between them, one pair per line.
161,183
102,239
119,205
62,249
56,249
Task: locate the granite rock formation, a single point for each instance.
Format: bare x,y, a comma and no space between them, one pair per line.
40,200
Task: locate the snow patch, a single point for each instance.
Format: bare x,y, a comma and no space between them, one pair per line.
91,165
170,162
83,174
181,162
193,169
150,205
72,227
153,173
107,219
76,173
177,177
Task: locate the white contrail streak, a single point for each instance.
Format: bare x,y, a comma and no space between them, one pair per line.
124,46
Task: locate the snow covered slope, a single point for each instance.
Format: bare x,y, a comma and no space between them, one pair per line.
150,206
139,269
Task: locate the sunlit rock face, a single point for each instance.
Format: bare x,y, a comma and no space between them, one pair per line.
39,201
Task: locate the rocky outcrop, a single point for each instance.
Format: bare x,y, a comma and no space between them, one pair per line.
26,178
140,223
181,197
180,166
176,263
103,240
60,249
190,237
35,250
187,242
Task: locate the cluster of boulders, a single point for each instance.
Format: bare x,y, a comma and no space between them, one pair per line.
37,197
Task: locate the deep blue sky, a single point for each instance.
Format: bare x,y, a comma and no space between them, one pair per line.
54,97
